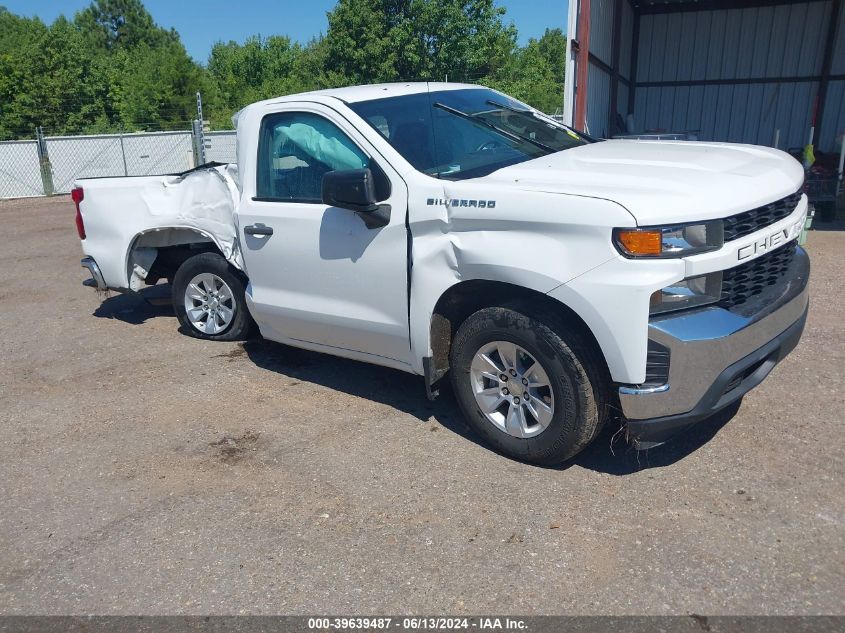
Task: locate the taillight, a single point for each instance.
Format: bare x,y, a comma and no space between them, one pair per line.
77,195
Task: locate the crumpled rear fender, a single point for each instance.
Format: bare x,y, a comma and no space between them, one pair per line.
124,215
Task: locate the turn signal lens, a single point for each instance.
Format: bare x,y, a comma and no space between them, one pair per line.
681,240
639,243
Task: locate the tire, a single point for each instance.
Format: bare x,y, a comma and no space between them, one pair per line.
576,392
195,282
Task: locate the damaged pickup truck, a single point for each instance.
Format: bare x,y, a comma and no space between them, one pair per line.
449,229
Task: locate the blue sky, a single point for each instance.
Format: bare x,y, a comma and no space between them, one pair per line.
201,24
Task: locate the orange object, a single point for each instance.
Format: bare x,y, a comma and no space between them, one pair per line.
583,68
641,242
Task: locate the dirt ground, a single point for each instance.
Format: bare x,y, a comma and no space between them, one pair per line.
146,472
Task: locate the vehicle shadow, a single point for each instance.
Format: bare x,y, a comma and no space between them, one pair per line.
390,387
609,453
137,308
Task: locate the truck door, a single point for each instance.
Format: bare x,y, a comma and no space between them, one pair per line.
317,274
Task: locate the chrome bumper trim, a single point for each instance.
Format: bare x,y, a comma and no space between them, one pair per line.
634,391
704,343
96,275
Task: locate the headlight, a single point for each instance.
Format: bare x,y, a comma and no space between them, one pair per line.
688,293
670,241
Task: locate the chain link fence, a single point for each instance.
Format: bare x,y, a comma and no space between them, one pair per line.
20,173
220,147
25,171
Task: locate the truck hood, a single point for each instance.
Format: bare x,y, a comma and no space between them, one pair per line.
661,182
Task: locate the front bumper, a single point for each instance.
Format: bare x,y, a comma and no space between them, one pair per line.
716,356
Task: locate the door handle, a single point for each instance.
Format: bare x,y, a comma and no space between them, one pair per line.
258,229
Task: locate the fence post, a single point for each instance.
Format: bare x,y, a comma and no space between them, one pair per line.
199,134
123,153
44,162
198,142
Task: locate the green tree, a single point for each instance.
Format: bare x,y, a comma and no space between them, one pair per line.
126,24
389,40
151,80
155,87
112,67
552,46
18,41
17,32
48,79
535,73
262,68
251,70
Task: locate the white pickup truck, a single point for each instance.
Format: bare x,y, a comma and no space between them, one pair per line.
446,228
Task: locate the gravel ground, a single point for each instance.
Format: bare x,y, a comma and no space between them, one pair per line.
145,472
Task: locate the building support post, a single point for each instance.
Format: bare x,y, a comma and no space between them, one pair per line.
827,64
583,72
635,54
613,109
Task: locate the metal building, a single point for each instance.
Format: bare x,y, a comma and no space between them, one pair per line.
747,71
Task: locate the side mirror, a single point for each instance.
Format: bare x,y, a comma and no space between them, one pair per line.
355,189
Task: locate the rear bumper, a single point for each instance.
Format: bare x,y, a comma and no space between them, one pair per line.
96,280
716,356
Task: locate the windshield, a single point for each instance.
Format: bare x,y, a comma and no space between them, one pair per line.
459,134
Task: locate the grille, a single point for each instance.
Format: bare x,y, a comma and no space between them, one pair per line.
748,280
746,223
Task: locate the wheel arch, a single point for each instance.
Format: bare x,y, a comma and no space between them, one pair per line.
464,298
157,253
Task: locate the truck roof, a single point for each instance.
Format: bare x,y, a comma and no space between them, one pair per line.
355,94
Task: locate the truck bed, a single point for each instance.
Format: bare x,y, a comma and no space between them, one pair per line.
127,218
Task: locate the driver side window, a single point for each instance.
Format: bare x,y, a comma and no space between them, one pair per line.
295,151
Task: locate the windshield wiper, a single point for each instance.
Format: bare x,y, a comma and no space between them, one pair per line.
536,116
511,135
509,107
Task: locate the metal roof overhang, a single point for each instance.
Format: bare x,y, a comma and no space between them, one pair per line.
651,7
654,7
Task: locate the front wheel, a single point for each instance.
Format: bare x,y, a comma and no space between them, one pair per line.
532,388
208,298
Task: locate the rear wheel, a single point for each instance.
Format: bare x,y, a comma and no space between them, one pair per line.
530,387
208,298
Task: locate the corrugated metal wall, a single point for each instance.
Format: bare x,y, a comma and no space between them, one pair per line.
833,125
602,16
734,113
601,29
706,72
718,47
838,67
774,41
601,45
598,101
626,41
